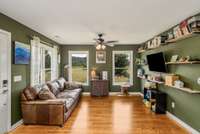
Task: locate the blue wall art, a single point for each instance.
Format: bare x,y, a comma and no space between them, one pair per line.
22,53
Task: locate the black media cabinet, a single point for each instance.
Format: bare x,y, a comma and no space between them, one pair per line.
157,100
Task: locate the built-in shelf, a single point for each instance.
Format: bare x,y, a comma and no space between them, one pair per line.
154,81
141,77
183,37
188,62
142,64
141,51
186,89
168,42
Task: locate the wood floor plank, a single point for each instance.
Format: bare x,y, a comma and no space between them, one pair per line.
109,115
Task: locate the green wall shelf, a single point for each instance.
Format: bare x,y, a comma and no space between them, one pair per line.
185,89
188,62
172,41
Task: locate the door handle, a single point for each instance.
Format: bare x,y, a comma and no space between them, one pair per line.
5,91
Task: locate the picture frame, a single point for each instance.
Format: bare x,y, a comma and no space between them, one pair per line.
174,58
100,56
22,53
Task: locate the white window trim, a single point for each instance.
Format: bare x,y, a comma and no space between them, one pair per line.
70,65
113,67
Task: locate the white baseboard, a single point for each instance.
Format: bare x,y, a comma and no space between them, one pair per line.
115,93
17,124
183,124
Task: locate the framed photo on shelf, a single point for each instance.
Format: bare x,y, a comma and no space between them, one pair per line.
100,56
174,58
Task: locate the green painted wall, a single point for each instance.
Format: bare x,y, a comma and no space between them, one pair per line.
19,33
101,67
186,105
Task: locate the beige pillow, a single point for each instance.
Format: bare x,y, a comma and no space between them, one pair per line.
46,94
71,85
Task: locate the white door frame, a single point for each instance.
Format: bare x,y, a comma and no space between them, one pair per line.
9,76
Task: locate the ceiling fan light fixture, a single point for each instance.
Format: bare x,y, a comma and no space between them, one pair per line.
103,47
98,47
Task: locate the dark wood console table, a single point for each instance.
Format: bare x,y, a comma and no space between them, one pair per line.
99,88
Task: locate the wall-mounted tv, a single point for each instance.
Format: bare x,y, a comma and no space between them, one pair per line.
156,62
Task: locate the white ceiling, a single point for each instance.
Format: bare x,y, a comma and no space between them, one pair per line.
77,21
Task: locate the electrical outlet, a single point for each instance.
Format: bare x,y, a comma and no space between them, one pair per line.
198,80
173,105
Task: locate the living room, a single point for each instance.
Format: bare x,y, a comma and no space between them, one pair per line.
99,67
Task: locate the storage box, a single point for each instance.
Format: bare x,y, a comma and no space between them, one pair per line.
169,79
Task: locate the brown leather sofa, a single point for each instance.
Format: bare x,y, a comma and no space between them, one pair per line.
49,111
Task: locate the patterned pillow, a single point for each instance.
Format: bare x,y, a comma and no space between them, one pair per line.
46,94
71,85
61,83
54,87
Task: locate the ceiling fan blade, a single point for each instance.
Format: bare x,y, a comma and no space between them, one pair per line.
97,40
111,41
110,45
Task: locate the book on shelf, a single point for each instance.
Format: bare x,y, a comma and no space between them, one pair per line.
194,23
177,32
184,27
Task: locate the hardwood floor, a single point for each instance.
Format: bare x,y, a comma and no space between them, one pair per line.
110,115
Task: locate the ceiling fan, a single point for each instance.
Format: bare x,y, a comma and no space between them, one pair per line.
101,43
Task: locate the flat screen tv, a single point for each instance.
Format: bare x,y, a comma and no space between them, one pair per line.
156,62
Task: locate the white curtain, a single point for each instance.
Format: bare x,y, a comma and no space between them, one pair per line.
54,63
36,65
38,62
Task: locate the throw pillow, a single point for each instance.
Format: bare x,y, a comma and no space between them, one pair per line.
46,94
71,85
30,93
54,87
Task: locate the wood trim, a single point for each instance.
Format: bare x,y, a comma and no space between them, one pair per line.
9,76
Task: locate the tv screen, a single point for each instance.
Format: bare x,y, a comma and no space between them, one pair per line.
156,62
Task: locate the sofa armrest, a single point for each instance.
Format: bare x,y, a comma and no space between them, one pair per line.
43,112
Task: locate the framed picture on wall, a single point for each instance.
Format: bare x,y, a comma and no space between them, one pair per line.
100,56
22,53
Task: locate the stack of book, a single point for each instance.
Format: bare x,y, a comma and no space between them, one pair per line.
194,23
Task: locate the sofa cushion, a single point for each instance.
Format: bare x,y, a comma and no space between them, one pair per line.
63,95
61,82
30,94
46,94
68,103
54,87
70,93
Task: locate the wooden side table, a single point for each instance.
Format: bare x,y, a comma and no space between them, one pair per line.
99,88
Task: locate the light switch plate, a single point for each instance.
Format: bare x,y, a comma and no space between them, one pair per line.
17,78
198,80
173,105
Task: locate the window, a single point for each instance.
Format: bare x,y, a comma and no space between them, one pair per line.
44,65
78,67
122,67
47,69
